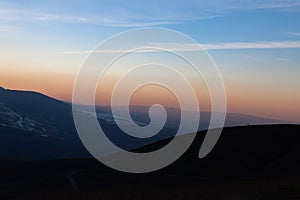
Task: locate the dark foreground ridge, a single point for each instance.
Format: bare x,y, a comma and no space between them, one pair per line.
250,162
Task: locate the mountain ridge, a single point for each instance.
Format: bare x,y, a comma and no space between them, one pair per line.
38,114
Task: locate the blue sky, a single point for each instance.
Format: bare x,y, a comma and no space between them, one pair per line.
219,21
256,43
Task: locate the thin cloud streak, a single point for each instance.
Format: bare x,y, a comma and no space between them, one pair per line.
180,47
253,5
294,33
254,45
280,5
29,16
10,29
113,19
145,24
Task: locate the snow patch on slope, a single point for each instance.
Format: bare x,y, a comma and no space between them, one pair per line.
10,118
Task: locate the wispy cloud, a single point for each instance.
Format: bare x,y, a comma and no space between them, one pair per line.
128,15
122,14
183,47
10,29
281,59
254,45
294,33
280,5
260,58
222,5
30,16
144,24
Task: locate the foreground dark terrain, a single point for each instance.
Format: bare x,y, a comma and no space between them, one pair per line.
248,162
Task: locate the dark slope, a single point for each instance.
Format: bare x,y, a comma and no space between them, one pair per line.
21,145
36,127
244,150
251,162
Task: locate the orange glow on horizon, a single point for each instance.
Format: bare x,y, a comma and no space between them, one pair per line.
241,98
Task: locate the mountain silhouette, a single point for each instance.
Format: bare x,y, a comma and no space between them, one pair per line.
41,155
34,126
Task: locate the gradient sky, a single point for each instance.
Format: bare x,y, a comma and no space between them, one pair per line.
255,44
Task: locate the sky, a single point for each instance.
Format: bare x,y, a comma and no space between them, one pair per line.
255,44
